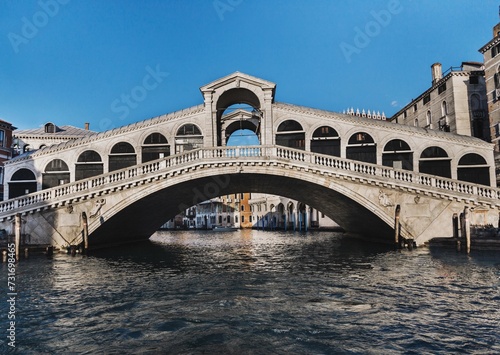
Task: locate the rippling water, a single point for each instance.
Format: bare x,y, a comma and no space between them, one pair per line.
253,292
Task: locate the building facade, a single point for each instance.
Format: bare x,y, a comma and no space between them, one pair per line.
27,140
6,152
456,102
277,212
491,55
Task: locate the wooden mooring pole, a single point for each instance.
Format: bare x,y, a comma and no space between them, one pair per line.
85,232
396,224
467,228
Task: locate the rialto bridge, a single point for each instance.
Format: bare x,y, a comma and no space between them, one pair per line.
121,185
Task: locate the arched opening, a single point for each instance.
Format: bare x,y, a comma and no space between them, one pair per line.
302,215
435,161
188,137
50,128
88,164
291,134
237,105
280,216
22,183
155,146
56,173
122,156
243,137
428,120
362,147
397,154
480,123
290,219
473,168
326,140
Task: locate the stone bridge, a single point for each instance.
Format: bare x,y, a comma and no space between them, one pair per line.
121,185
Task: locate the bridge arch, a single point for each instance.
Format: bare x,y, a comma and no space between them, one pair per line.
135,217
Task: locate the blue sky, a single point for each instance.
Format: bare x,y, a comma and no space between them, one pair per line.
114,62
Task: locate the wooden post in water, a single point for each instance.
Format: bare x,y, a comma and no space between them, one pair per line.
396,224
18,234
467,228
85,232
455,231
455,226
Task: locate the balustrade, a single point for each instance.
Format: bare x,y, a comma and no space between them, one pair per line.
348,167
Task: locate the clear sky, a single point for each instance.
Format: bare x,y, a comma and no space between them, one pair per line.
114,62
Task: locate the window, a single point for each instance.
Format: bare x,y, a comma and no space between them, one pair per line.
474,79
444,109
405,114
442,88
427,98
242,219
415,108
51,128
429,119
242,208
2,138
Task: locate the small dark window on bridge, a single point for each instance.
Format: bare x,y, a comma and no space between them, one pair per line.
291,134
397,154
435,161
155,147
434,152
474,79
122,156
326,140
362,147
289,125
23,174
56,173
89,164
473,168
23,181
155,138
189,130
122,147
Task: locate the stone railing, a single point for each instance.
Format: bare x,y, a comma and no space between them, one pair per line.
329,164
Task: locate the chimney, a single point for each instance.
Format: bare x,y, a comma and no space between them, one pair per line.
87,126
437,72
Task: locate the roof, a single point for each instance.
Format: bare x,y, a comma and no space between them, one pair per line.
62,131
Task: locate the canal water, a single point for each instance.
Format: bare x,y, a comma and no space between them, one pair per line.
254,292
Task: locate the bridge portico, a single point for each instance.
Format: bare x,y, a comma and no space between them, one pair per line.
351,168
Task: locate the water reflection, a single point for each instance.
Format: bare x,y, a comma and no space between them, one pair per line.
258,292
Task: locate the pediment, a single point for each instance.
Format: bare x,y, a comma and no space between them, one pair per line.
238,79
